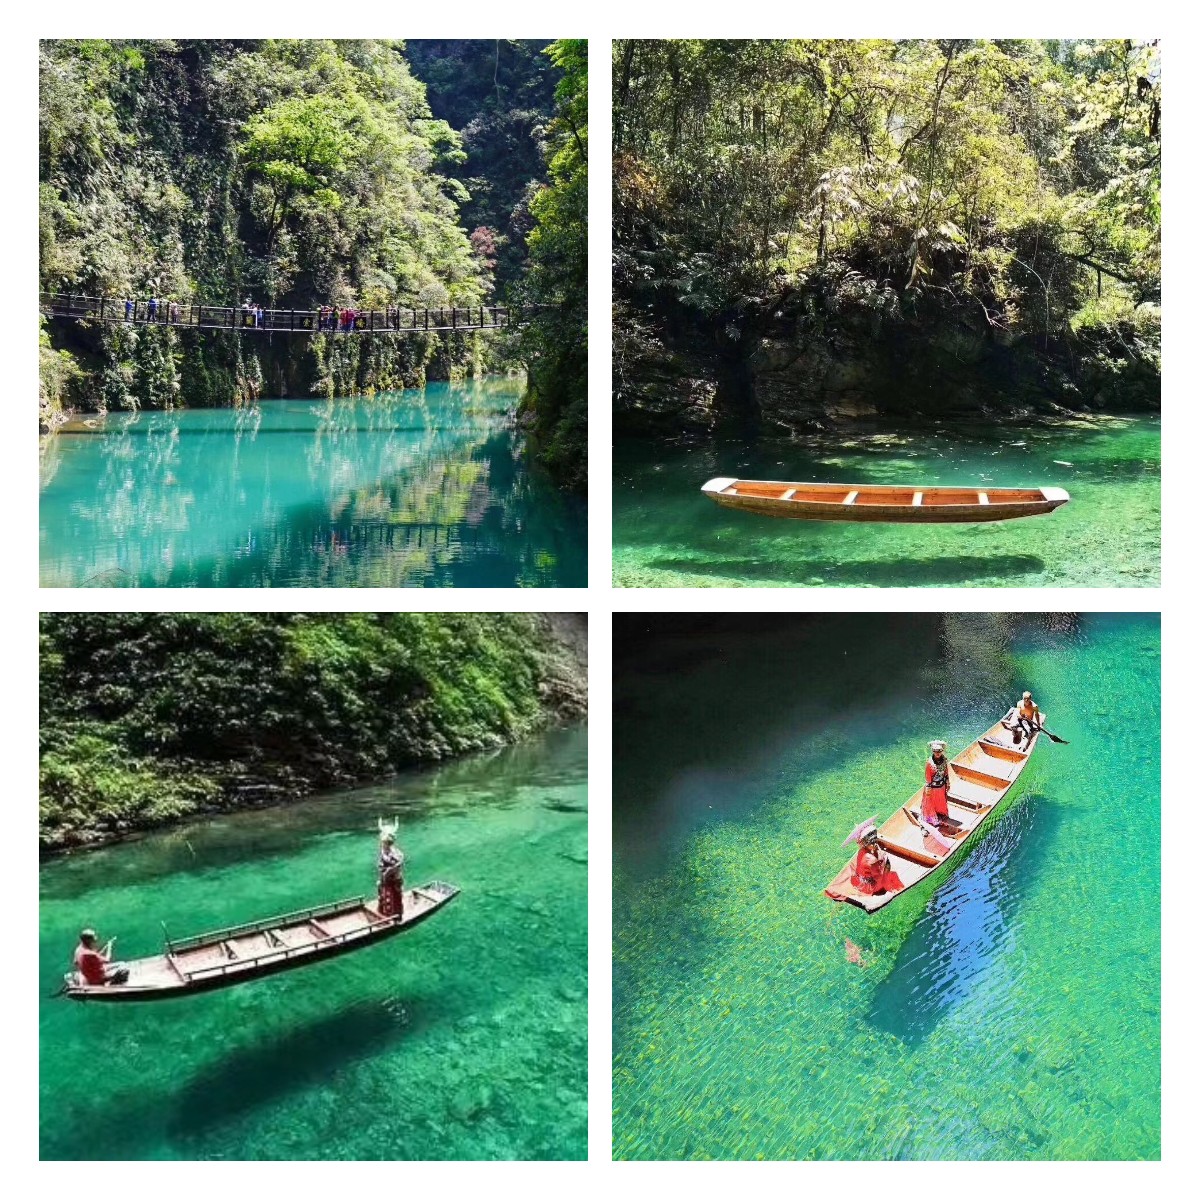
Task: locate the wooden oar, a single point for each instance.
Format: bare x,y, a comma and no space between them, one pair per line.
1042,729
1054,737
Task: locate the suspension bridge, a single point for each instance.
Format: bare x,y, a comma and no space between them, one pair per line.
246,319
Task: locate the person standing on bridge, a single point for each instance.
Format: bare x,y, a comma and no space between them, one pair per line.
129,310
152,308
173,313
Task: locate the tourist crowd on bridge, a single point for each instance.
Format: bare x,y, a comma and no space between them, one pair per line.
156,310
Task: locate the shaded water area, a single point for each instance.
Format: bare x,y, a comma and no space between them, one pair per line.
666,534
463,1038
1009,1008
425,488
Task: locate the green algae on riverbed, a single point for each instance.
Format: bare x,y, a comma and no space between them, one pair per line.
666,534
463,1039
401,489
1011,1011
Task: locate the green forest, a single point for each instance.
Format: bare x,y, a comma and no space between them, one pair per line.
813,226
150,717
299,173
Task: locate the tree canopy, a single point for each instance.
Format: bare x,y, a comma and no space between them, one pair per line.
555,343
1014,183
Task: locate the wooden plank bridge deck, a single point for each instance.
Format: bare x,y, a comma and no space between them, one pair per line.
114,310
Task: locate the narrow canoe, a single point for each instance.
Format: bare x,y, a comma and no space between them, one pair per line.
878,502
980,777
244,952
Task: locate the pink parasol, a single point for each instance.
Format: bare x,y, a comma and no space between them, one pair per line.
859,830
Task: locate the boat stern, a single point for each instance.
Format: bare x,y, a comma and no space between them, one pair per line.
1055,495
715,486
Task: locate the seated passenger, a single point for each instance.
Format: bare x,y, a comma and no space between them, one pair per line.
96,966
872,871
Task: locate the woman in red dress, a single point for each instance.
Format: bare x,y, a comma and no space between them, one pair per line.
934,800
872,871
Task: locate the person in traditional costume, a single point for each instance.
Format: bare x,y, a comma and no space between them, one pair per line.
391,871
872,871
935,808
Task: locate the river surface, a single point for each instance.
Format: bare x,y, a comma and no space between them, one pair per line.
424,488
666,534
1012,1011
465,1038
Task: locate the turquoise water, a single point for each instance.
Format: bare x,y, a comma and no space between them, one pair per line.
666,534
1011,1011
464,1038
403,489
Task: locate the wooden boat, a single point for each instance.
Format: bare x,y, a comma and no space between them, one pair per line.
980,777
244,952
879,502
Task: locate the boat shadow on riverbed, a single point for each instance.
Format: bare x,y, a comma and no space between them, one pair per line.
301,1058
243,1079
945,571
959,942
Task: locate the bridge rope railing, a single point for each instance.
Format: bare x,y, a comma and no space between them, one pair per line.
245,319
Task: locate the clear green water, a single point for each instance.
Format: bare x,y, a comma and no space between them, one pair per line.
464,1038
1009,1012
666,534
404,489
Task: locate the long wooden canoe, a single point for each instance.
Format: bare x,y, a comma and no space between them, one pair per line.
980,777
879,502
244,952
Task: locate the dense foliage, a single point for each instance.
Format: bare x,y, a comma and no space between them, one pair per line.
147,717
555,344
499,95
1009,188
294,173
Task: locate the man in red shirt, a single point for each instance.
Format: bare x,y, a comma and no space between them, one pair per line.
96,966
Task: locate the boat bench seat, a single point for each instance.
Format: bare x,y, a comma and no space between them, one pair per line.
902,833
973,793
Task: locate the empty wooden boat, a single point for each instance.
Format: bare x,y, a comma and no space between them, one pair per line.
980,777
879,502
244,952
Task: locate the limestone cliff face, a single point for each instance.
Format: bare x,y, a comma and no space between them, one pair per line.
791,370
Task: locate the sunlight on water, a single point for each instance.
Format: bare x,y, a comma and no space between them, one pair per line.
464,1038
403,489
1006,1009
666,534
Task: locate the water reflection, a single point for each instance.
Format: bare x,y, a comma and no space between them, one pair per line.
424,488
961,944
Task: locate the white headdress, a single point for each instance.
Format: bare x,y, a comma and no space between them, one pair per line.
388,830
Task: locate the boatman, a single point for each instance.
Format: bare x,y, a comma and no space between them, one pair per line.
872,871
1027,719
935,807
96,966
391,871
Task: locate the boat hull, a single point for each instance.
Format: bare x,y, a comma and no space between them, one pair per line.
899,506
982,776
219,960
